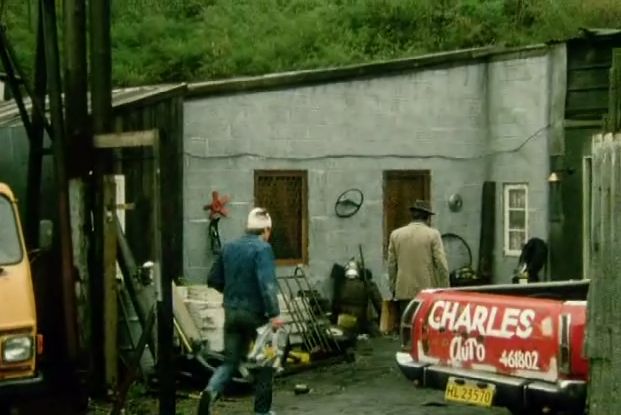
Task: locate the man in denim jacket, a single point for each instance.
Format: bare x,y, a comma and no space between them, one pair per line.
245,273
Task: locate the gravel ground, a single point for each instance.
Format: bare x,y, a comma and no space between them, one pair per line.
371,385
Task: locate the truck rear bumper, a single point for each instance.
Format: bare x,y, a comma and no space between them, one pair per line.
511,391
15,389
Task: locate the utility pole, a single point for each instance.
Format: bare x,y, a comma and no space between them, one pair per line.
79,152
35,155
101,104
76,86
101,65
59,148
163,281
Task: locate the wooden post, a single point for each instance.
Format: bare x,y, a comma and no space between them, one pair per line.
101,65
110,285
486,238
101,104
76,86
35,155
59,148
162,277
163,281
614,100
603,333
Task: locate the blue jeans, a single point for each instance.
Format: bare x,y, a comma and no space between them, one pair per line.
240,330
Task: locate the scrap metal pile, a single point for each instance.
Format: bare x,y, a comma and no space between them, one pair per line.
307,320
311,338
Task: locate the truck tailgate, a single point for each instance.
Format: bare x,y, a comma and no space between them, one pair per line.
508,335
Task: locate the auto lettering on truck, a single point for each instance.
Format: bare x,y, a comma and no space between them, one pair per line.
498,348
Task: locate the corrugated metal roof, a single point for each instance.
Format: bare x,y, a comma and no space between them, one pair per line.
593,31
373,69
349,72
9,112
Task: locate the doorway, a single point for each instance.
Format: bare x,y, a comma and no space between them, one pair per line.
401,189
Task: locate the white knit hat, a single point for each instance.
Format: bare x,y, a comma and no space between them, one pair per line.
258,218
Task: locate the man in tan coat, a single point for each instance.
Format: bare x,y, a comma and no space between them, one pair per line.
416,258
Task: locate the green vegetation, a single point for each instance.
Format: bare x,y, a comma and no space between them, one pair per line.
173,40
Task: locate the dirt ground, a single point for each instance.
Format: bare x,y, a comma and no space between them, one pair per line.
370,385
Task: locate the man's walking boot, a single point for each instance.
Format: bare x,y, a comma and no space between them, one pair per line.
206,402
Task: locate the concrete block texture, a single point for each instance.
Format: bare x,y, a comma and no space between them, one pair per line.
465,124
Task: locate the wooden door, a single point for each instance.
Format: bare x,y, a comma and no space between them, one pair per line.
285,196
401,189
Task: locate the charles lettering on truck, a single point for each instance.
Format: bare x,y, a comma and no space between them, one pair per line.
19,343
518,347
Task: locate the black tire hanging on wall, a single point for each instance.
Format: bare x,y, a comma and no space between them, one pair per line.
446,239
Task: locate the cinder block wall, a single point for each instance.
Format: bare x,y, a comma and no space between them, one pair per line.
519,131
345,134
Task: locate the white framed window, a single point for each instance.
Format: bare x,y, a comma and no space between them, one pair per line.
515,197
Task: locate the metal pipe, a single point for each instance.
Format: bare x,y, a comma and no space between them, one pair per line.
299,318
295,321
300,275
306,331
128,266
309,332
329,337
317,320
314,320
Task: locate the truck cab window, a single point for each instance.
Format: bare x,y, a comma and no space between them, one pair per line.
10,244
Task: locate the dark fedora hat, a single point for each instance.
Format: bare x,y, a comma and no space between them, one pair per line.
422,206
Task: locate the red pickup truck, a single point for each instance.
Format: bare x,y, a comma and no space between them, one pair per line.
517,346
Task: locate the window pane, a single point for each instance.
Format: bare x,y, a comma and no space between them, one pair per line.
517,198
516,240
517,219
10,244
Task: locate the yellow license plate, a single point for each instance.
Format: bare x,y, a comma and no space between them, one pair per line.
465,391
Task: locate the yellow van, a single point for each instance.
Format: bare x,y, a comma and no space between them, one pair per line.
20,344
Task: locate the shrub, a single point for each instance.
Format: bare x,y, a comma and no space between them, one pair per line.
158,41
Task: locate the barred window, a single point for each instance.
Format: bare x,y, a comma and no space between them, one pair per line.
284,194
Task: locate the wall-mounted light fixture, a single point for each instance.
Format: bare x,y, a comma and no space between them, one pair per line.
557,175
455,202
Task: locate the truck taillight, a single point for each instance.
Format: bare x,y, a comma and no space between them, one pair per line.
406,322
564,355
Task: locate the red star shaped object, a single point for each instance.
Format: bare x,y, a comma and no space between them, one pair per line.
217,206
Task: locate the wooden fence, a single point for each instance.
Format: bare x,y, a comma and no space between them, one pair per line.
603,345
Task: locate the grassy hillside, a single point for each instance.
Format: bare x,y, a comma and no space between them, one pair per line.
173,40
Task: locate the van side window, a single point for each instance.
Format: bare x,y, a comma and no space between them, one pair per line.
10,243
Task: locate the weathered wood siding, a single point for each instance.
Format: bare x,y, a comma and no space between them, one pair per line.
604,333
589,60
166,115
